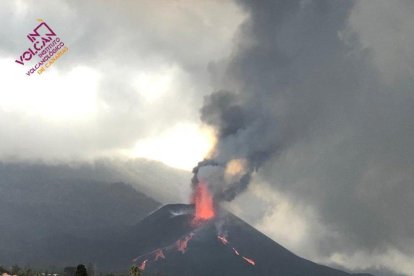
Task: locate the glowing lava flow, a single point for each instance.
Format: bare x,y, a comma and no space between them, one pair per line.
250,261
224,241
159,254
182,244
143,264
204,204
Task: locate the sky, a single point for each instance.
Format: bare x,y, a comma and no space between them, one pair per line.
316,95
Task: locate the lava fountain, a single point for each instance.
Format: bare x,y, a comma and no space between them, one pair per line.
203,203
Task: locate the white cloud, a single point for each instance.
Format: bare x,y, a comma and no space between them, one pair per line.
134,73
55,95
180,146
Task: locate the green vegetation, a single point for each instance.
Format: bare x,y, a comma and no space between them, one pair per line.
79,270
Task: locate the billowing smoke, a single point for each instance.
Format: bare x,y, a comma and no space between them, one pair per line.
290,67
317,97
245,140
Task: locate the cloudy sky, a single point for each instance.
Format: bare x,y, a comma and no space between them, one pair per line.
321,91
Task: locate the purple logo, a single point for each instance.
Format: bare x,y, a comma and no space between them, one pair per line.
46,45
49,32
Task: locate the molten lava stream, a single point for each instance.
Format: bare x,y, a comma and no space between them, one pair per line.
143,264
250,261
204,204
182,244
159,254
223,240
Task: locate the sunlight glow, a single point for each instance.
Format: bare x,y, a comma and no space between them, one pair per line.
152,85
52,95
181,146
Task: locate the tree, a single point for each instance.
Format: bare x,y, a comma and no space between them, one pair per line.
134,271
81,270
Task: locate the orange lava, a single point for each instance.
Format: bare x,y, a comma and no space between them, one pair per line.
143,264
250,261
223,240
204,204
182,244
159,254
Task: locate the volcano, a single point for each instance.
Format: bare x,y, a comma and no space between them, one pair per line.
167,242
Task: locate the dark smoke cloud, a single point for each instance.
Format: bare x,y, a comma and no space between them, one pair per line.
305,103
235,123
281,93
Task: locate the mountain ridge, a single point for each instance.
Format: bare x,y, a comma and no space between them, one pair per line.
207,255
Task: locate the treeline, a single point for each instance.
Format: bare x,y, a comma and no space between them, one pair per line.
79,270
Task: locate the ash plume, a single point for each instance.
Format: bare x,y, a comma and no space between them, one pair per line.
272,96
246,139
317,96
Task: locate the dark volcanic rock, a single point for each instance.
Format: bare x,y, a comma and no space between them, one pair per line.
206,255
